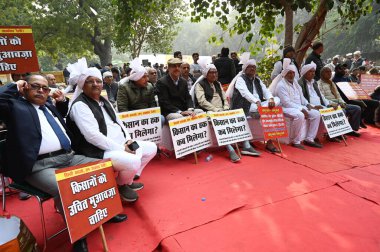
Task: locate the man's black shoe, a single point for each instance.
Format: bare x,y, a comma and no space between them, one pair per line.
118,218
24,196
362,125
80,245
354,133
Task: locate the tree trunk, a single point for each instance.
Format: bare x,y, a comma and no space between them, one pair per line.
103,50
288,24
310,30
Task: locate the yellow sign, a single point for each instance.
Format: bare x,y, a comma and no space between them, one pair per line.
81,171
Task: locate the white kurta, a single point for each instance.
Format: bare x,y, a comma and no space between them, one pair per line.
293,101
127,164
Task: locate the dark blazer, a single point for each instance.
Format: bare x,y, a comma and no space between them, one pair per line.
24,133
171,97
226,69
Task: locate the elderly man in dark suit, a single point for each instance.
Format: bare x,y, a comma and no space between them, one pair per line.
38,141
173,94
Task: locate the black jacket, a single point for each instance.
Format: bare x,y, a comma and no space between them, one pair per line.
318,61
171,97
226,69
24,133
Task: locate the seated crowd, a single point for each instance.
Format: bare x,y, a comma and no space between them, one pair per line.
36,123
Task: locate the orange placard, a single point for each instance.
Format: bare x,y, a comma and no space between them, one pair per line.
369,82
353,91
17,51
273,122
89,196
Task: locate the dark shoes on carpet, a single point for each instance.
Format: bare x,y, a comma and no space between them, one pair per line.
118,218
135,186
136,177
271,147
24,196
312,144
80,245
250,152
298,146
353,133
234,157
334,140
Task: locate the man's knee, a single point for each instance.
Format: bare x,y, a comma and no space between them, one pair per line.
173,116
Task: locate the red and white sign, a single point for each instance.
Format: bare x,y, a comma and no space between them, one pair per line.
353,91
369,82
89,196
17,51
273,122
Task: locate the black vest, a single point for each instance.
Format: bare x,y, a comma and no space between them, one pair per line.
209,92
305,91
237,99
79,144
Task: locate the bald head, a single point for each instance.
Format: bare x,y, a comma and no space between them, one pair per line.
51,80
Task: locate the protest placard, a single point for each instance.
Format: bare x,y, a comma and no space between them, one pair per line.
89,196
230,126
17,51
190,134
353,91
273,122
369,82
143,124
335,121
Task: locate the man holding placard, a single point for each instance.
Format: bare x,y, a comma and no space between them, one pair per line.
209,96
101,134
315,97
250,93
329,90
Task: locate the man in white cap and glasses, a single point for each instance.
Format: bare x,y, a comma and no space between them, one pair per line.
99,133
173,93
250,93
110,86
135,92
209,96
358,60
296,107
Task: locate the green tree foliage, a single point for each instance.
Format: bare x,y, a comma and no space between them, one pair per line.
265,13
147,25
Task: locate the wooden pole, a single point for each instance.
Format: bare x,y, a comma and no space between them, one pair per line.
344,140
103,238
279,145
195,157
238,150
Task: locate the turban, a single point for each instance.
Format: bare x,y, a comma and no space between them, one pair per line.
137,72
205,66
79,72
286,67
308,67
250,62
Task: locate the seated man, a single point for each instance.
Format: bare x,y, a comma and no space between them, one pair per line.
368,106
38,141
135,92
296,107
210,96
251,93
328,88
173,93
111,87
99,133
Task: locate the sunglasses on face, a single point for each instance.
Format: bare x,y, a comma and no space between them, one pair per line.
35,86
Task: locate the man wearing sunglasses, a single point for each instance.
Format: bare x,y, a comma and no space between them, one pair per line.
38,141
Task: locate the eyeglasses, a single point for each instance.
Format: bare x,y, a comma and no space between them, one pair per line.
93,82
35,86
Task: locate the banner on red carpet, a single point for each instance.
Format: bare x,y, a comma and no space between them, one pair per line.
369,82
17,51
143,124
353,91
190,134
230,126
273,122
336,122
89,196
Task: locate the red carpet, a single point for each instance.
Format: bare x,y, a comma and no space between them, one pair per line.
314,200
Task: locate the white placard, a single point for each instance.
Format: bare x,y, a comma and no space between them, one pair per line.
335,121
190,134
230,126
143,124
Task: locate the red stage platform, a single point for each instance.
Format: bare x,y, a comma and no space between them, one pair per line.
314,200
